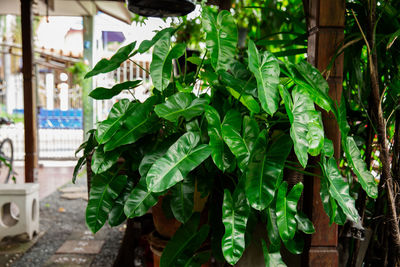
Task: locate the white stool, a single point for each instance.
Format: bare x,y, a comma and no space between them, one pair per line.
19,209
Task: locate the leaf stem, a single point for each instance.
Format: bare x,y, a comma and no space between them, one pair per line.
140,66
303,171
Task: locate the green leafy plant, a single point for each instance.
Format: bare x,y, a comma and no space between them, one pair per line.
217,141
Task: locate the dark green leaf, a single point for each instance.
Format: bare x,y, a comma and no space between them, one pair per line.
236,89
272,229
328,202
140,122
104,190
184,243
272,259
181,105
161,64
101,93
117,215
286,208
107,128
182,199
240,146
359,167
339,189
328,148
181,158
222,37
265,170
78,166
303,223
102,161
295,245
140,200
266,70
220,153
105,65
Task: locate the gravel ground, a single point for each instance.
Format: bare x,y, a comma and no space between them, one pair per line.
58,219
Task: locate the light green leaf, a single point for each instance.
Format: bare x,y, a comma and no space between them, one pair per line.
359,167
306,130
104,190
101,93
222,37
181,158
328,202
105,65
220,153
266,70
235,212
147,44
272,259
339,189
161,64
181,104
140,200
265,170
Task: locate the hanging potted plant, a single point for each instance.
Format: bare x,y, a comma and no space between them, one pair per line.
223,132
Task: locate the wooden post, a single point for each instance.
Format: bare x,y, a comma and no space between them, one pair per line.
31,158
325,25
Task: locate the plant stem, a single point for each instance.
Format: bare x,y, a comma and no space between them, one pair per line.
302,171
140,66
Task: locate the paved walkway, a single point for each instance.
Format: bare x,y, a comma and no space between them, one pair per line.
64,239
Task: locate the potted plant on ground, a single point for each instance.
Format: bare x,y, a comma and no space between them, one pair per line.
222,133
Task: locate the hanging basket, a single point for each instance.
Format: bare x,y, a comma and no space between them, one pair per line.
161,8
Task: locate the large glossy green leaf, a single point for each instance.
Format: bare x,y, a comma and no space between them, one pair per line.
265,170
222,37
240,145
305,75
303,223
286,209
306,130
220,153
236,89
140,200
339,189
101,93
272,229
328,202
102,161
235,212
161,64
182,199
105,188
179,105
117,215
147,44
184,243
359,167
105,65
266,70
107,128
287,100
295,245
140,122
272,259
181,158
342,119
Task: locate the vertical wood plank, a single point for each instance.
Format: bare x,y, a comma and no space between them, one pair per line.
326,32
30,122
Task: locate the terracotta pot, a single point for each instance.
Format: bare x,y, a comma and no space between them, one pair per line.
168,226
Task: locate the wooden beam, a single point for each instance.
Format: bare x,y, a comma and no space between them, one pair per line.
31,157
325,23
